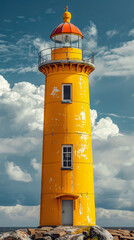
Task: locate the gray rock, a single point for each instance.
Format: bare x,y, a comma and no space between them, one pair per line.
44,238
100,233
85,233
15,235
72,237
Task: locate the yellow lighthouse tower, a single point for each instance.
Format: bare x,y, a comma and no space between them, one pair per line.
67,189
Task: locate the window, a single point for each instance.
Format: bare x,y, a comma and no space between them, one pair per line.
67,92
67,156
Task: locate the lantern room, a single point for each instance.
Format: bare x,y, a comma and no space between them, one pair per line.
67,40
67,34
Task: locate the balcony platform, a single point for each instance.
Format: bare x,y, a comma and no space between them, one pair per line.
67,55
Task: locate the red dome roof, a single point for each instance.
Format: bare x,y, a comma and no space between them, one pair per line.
66,27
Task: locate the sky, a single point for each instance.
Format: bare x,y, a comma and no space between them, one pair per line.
108,29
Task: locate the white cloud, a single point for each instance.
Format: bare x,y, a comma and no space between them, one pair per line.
20,211
97,102
2,35
114,180
50,11
111,33
7,20
114,218
117,61
16,173
131,32
20,215
18,145
20,17
33,68
104,128
41,44
25,48
32,20
4,85
36,165
90,36
117,116
25,102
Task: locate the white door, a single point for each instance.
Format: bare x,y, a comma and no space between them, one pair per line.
67,212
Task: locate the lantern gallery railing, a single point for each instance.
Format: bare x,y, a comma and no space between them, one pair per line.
65,54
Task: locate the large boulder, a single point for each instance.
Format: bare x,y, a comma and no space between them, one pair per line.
15,235
100,233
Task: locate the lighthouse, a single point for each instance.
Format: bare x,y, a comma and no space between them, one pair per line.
67,187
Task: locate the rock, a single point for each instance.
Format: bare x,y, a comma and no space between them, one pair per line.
33,236
44,229
126,237
16,235
44,238
72,237
116,238
37,235
68,233
100,233
55,233
79,237
31,231
52,235
85,233
11,238
69,229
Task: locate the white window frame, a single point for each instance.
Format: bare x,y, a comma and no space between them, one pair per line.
68,145
64,100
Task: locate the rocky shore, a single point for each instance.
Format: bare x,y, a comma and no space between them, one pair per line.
68,232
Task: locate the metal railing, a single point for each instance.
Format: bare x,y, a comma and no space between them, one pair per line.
47,55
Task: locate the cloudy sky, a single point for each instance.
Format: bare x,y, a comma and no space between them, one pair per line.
108,28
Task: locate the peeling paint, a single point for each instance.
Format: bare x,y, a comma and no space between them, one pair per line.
88,209
80,152
75,151
80,82
88,219
50,180
81,116
80,212
80,207
84,137
55,91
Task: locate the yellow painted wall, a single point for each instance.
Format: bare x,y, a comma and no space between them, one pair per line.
67,123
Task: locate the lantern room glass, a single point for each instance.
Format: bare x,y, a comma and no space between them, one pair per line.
67,40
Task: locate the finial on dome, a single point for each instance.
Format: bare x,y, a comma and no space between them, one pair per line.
66,15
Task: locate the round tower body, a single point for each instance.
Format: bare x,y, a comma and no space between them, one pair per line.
67,190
